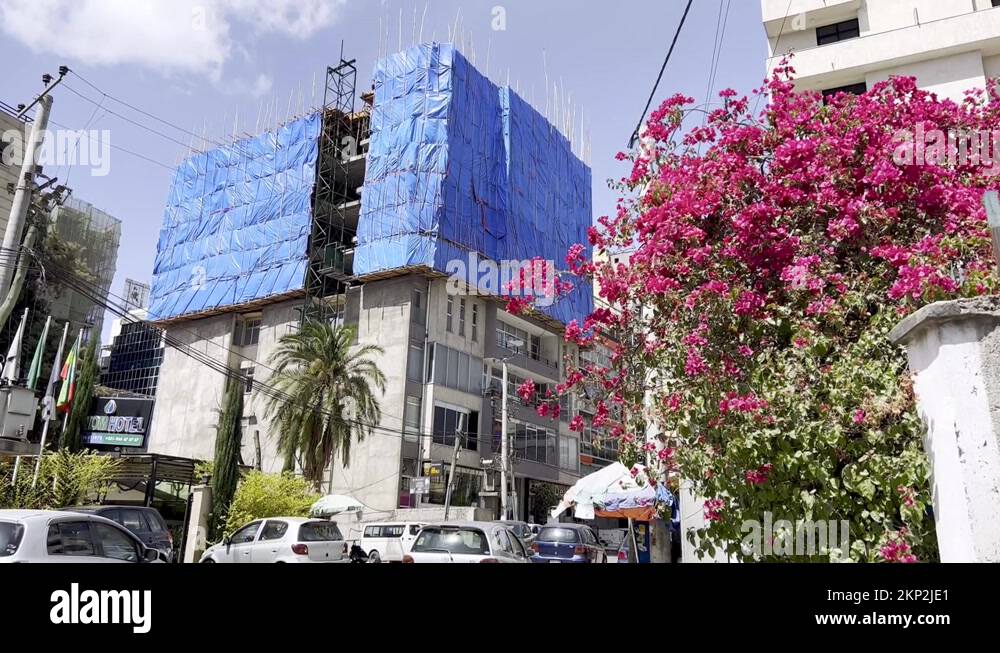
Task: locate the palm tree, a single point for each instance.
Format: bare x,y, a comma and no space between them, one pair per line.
325,396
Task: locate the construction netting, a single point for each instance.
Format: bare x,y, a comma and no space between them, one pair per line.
237,223
458,166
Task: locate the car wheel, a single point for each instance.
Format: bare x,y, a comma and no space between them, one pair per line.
374,558
207,561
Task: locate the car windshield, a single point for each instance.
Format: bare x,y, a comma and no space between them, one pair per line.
10,538
319,531
559,535
462,541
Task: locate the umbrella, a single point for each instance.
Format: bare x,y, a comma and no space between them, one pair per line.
334,504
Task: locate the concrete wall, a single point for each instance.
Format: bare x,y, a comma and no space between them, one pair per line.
384,319
8,174
189,394
941,42
954,354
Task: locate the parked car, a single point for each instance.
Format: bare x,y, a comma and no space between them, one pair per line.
521,529
55,536
463,542
574,543
388,541
624,554
145,523
281,539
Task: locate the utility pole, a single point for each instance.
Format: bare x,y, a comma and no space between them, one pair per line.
26,180
503,445
459,434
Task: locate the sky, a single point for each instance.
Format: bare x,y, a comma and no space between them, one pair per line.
209,65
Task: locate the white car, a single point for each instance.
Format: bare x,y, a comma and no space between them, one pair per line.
281,539
388,541
54,536
458,542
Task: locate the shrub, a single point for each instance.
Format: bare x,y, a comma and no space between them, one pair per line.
262,495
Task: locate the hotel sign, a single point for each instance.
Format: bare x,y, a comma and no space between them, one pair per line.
118,422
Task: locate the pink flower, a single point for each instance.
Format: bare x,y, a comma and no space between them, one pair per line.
526,391
576,424
713,509
859,416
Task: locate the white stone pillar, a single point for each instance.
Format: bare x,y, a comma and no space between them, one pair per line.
201,509
954,353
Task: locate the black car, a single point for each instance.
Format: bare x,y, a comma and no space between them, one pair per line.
145,523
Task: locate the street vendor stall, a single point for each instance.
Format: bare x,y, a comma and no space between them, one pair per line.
615,492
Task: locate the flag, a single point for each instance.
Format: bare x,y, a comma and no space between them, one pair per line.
68,376
12,362
35,370
48,402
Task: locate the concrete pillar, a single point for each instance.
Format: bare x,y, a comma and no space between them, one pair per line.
954,353
201,509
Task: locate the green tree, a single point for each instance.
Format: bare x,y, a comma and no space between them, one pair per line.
71,437
228,442
65,479
325,396
260,496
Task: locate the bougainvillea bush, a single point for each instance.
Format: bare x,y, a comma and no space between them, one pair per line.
772,255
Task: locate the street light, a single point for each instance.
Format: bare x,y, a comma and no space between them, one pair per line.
515,344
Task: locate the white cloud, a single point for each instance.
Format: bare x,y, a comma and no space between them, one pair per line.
178,36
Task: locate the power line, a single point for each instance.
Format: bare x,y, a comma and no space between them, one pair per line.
649,102
777,43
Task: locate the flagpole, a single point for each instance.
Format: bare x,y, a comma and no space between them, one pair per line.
48,404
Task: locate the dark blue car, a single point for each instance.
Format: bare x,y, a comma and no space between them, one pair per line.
568,543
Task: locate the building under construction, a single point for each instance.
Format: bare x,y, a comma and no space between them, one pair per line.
359,214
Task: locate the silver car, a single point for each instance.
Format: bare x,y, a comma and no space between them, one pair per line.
281,539
458,542
56,536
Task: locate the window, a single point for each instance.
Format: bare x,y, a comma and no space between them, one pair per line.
469,541
475,322
154,523
852,89
417,307
132,520
569,453
274,530
555,534
414,529
532,443
504,541
461,317
10,538
451,309
842,31
411,418
70,539
248,373
247,331
320,531
415,363
447,422
996,3
116,544
245,534
457,370
507,335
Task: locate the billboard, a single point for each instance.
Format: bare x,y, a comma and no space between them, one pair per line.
118,422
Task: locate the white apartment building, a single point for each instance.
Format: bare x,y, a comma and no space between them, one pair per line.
948,45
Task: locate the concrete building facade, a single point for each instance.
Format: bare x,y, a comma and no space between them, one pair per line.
442,356
950,46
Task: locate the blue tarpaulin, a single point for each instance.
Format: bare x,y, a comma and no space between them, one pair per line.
237,223
458,165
